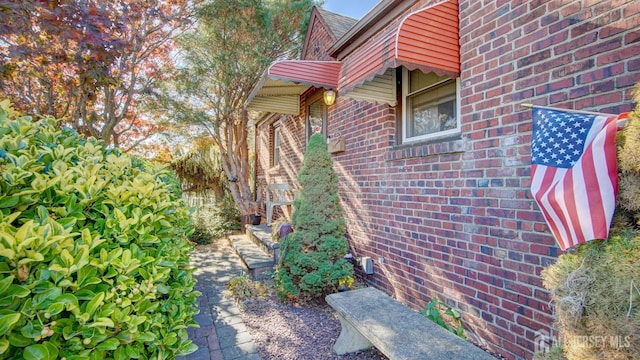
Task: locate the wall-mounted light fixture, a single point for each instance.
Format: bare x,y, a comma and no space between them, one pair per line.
329,97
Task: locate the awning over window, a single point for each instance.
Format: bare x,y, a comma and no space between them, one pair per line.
280,88
426,39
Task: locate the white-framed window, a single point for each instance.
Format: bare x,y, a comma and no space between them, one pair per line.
430,106
276,145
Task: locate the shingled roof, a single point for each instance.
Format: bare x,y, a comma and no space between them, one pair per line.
338,24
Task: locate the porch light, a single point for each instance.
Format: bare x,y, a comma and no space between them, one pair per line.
329,97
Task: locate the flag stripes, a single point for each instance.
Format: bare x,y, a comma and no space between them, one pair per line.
574,173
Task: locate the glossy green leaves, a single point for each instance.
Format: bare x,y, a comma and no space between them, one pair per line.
93,251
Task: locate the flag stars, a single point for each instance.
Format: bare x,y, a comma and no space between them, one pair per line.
559,137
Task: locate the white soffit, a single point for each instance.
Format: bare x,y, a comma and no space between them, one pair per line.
278,96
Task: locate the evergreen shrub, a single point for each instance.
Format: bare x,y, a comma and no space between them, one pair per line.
93,251
312,257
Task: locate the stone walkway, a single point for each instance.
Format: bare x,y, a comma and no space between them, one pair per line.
222,334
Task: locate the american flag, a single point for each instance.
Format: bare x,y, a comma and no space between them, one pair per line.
574,175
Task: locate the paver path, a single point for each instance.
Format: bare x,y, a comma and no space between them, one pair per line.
222,334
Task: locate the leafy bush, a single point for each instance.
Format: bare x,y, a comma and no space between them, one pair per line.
433,311
213,217
312,257
225,217
200,236
241,288
93,251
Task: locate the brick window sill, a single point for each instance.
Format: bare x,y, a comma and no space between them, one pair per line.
423,149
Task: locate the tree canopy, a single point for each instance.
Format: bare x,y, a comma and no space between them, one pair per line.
99,66
95,64
221,61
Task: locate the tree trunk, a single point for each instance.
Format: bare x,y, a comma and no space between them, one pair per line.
235,162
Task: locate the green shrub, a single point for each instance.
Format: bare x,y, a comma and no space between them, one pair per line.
225,217
453,322
312,257
200,236
213,217
242,288
93,251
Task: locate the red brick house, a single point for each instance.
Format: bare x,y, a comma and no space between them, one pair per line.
434,176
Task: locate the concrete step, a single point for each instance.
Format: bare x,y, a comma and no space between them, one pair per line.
261,236
254,258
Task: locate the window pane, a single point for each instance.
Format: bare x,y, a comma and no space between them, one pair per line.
276,147
314,123
432,110
419,80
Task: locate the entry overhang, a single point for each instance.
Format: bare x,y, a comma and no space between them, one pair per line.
280,88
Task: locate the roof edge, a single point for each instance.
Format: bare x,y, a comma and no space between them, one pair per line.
373,21
256,89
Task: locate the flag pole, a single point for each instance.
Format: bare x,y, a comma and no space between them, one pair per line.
621,123
530,106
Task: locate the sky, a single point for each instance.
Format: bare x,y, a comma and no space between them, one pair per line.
352,8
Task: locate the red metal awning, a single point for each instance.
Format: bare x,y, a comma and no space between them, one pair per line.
280,88
313,73
427,39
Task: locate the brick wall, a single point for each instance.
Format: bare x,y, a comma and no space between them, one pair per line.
455,219
291,154
319,41
572,54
